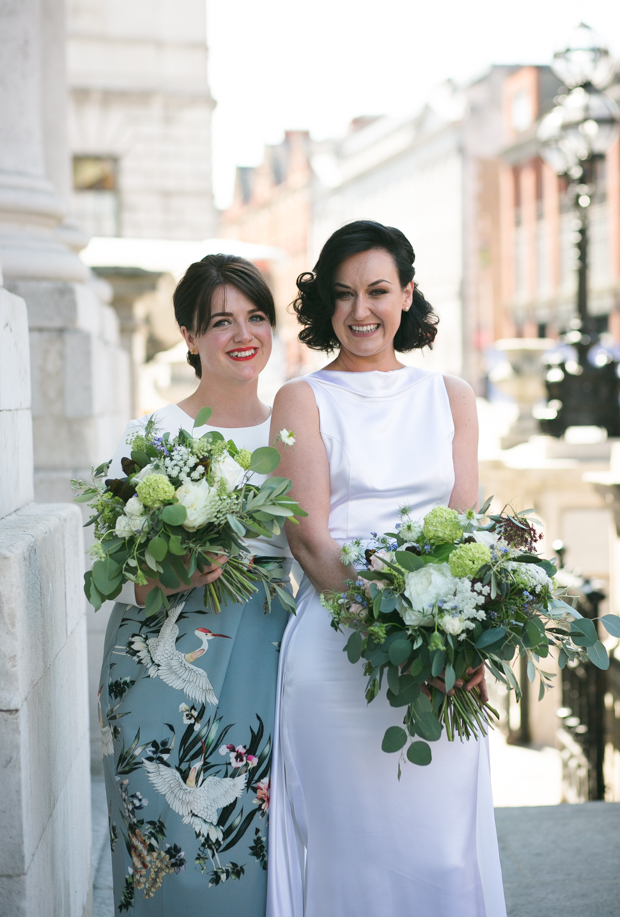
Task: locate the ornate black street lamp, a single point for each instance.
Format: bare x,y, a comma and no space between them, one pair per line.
582,380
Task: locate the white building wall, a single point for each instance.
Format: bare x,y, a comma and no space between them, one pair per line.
418,189
139,93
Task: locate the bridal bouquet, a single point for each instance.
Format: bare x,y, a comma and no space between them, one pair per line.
438,598
182,501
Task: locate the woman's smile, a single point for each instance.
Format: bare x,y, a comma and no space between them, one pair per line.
247,354
364,330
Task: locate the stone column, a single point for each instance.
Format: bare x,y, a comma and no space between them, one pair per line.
45,843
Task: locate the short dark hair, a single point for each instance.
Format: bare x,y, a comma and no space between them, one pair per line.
194,293
316,300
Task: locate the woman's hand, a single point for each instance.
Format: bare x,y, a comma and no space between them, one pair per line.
209,575
477,680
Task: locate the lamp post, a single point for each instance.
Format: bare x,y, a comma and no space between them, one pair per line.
582,380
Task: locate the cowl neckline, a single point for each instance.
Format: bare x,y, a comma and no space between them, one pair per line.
373,383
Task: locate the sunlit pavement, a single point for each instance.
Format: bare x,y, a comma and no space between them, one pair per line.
557,860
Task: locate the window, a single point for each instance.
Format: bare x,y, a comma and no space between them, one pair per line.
95,194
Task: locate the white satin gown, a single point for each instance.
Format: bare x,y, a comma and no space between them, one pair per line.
347,839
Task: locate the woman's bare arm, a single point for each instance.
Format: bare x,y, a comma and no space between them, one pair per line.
465,444
306,465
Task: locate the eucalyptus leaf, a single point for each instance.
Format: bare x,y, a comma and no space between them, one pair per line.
439,661
394,739
174,514
399,651
611,623
490,636
450,677
598,655
408,561
237,527
140,457
158,547
354,646
393,679
154,602
202,417
265,460
419,753
531,671
285,597
175,546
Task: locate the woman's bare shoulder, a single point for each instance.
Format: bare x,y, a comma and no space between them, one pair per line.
462,399
295,392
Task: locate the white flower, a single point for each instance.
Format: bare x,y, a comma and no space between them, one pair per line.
451,624
138,523
351,552
287,437
134,506
123,527
200,500
144,473
426,586
411,531
489,539
226,469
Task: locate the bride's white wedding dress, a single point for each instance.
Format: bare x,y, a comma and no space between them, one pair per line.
347,839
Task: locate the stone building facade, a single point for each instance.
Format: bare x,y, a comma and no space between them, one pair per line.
140,118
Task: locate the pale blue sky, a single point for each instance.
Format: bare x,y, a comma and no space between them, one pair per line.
278,64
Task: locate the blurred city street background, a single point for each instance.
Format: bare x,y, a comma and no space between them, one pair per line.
136,138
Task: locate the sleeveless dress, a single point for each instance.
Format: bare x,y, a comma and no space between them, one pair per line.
164,737
346,837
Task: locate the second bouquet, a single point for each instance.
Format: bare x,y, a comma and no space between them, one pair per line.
181,502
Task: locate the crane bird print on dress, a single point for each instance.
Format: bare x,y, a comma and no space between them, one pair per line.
197,804
162,659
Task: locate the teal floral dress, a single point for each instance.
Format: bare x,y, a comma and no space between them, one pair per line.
187,702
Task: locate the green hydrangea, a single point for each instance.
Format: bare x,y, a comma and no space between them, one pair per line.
466,560
378,632
442,525
155,489
243,458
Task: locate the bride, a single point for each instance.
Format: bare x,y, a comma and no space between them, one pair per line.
346,837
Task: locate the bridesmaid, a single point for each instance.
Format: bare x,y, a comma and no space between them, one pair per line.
187,769
346,837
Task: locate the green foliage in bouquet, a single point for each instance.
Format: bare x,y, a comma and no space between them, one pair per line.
435,600
181,502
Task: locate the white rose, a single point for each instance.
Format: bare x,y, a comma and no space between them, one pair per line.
200,500
137,523
229,471
144,473
134,506
424,587
451,624
123,527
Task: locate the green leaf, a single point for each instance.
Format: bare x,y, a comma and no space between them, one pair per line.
584,632
399,651
85,498
168,577
285,597
174,514
541,690
202,417
264,460
490,636
598,655
394,739
611,623
158,547
275,509
106,576
388,601
237,527
140,457
408,561
393,679
439,661
450,677
562,659
175,546
426,723
485,506
532,635
531,671
408,692
420,753
354,646
154,601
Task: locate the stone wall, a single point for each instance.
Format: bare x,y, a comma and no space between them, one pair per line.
45,849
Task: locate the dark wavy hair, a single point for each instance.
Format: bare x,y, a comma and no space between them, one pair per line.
316,299
194,293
